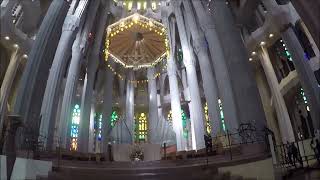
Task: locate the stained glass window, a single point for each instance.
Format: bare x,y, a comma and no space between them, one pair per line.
304,98
184,121
222,115
75,121
206,113
169,117
97,126
114,118
153,5
141,127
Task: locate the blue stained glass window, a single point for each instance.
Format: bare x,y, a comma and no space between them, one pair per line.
75,121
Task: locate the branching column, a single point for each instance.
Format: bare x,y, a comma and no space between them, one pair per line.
306,75
246,95
280,106
196,112
174,89
78,50
154,132
49,104
219,65
34,78
209,81
6,86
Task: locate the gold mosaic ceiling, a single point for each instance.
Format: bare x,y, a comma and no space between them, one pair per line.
136,41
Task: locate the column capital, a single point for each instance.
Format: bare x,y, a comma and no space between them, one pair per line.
171,67
150,73
71,23
176,3
199,44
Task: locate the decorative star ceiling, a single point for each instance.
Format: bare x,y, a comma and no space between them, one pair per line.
136,42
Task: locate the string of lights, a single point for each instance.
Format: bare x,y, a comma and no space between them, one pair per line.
121,77
127,23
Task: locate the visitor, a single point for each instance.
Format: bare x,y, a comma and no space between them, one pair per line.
296,155
313,146
289,152
318,150
304,126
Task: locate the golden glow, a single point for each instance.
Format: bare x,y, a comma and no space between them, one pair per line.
206,113
129,5
142,127
74,144
138,5
153,5
145,5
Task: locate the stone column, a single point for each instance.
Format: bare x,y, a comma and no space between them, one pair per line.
107,107
306,75
246,95
69,91
196,112
90,138
49,104
208,78
128,124
33,81
153,108
280,106
78,50
7,85
86,99
174,89
219,64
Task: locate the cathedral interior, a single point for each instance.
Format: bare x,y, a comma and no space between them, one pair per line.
160,89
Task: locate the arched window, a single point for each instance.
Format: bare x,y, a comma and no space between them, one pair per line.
75,121
207,118
114,118
141,127
97,126
222,115
184,122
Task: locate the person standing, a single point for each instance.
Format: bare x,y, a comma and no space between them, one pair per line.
313,146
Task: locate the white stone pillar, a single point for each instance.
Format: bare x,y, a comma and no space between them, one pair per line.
90,140
280,106
107,107
219,65
306,75
174,89
153,134
128,124
49,104
6,86
245,92
209,82
196,112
